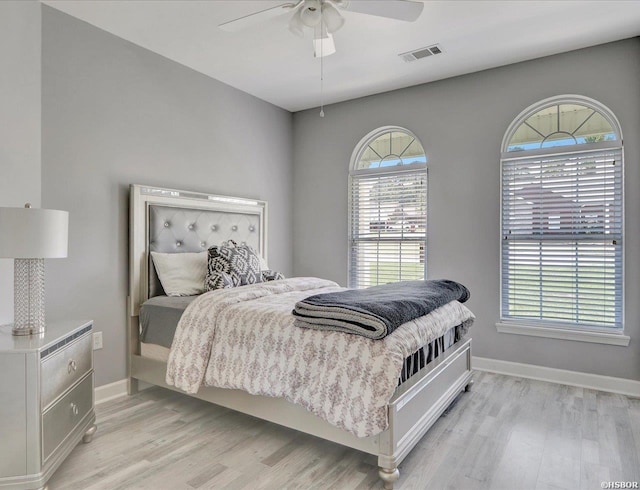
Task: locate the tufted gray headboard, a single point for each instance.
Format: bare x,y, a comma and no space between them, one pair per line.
179,229
173,221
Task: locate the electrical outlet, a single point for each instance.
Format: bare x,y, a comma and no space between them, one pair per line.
97,340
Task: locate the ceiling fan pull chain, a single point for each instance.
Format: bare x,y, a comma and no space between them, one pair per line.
321,70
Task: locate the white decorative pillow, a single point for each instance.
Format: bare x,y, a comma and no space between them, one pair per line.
181,274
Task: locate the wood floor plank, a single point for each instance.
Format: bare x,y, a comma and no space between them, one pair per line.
249,475
627,449
590,453
559,472
608,441
592,475
204,476
281,453
506,433
520,462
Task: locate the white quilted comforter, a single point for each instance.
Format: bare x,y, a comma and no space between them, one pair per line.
244,338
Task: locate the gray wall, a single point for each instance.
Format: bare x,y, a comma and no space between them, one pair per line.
461,122
114,114
19,120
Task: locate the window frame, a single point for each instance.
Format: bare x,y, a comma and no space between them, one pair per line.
547,327
354,172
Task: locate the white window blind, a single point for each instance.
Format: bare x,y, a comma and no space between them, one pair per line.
562,238
388,226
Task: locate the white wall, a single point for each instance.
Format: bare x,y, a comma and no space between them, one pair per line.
20,41
461,122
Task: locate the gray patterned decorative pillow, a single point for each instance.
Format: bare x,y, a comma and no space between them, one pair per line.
232,265
270,275
219,280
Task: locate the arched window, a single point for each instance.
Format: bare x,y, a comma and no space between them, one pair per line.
562,216
387,209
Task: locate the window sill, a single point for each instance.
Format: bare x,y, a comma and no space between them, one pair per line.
564,334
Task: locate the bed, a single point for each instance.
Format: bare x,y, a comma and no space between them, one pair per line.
172,221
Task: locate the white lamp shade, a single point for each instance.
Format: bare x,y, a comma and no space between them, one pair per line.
27,233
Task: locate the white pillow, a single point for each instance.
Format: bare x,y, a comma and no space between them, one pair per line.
181,274
263,263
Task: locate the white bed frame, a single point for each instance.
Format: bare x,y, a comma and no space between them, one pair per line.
413,409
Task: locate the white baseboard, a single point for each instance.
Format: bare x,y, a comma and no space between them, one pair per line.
110,391
622,386
115,390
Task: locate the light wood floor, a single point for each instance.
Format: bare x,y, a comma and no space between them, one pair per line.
507,433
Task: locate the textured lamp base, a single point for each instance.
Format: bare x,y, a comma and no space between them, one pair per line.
28,300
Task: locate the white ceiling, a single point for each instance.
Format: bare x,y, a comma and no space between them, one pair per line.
273,64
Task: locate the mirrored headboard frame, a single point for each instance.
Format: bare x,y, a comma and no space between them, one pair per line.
143,198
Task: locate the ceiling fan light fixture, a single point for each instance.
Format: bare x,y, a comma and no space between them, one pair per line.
331,17
295,24
323,44
311,13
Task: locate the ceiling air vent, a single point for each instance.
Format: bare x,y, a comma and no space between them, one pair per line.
421,53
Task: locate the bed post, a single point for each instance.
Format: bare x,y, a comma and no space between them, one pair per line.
137,250
389,476
132,349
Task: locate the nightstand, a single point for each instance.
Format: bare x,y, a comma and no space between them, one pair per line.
46,401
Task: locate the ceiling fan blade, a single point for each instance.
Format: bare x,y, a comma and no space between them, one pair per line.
250,20
393,9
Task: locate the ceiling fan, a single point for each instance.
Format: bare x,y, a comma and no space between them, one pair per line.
324,17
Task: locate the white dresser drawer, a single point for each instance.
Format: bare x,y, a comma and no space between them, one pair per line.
66,366
59,421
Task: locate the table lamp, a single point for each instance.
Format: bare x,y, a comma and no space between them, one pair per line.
29,236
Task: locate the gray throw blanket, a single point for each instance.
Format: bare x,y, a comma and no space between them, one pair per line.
377,311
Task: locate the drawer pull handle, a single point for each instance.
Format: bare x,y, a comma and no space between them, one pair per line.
74,409
72,366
